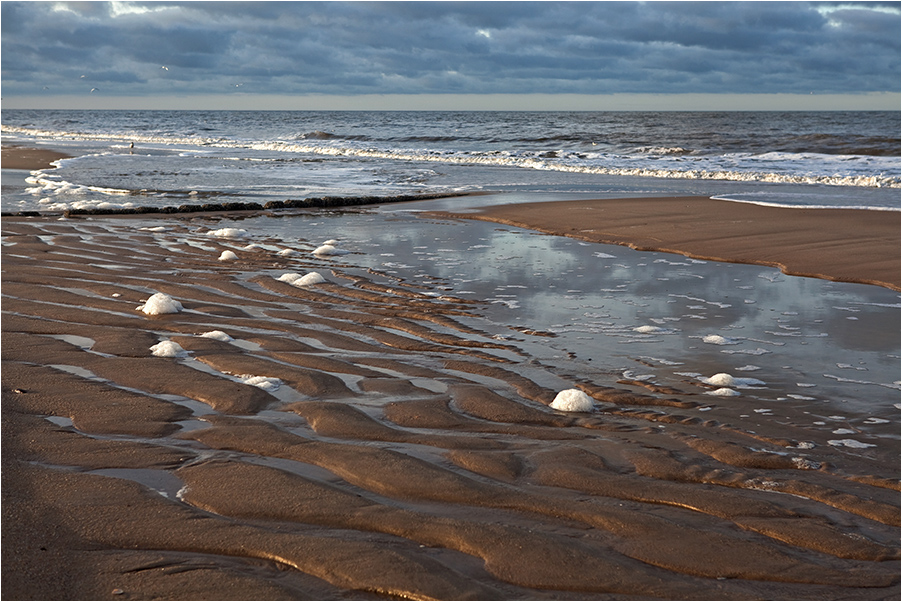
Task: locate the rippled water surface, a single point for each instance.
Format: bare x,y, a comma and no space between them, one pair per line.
160,158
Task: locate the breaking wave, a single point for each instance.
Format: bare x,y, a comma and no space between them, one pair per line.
647,162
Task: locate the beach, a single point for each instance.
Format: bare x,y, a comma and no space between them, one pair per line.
369,437
366,435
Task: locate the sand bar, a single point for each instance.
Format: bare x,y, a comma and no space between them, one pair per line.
406,454
18,157
837,244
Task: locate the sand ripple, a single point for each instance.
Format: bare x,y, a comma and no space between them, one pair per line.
407,453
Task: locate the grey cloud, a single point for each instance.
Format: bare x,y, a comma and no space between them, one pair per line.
473,47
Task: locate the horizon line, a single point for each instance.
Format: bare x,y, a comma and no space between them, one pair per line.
866,101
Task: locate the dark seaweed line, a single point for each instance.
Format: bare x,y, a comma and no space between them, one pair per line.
309,203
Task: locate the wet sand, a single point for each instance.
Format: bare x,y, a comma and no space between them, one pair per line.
845,245
407,454
19,157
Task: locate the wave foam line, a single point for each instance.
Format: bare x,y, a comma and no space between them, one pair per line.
501,159
785,206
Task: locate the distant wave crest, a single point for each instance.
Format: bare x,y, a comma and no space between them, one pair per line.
324,144
663,150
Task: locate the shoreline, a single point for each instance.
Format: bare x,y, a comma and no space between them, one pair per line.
845,245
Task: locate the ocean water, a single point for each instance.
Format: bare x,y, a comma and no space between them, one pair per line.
165,158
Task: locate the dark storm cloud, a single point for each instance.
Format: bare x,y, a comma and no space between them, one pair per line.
140,48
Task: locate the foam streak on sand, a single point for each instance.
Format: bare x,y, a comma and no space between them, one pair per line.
421,457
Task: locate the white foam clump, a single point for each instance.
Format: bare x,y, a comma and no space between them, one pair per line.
309,279
217,335
268,383
873,420
849,443
160,303
716,339
228,256
305,280
228,233
287,252
724,392
167,349
329,249
573,400
649,329
722,379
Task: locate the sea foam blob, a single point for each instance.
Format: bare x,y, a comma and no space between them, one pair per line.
160,303
716,339
722,379
327,249
309,279
289,277
268,383
228,256
853,443
228,233
217,335
724,392
649,329
305,280
573,400
167,349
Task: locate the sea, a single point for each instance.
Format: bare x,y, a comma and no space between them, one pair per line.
165,158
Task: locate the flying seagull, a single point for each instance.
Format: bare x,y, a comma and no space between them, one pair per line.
92,89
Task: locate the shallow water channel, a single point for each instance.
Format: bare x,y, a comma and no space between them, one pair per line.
823,356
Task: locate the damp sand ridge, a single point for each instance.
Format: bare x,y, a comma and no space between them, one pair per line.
847,245
357,436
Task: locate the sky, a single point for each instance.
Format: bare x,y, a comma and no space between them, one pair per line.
451,55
